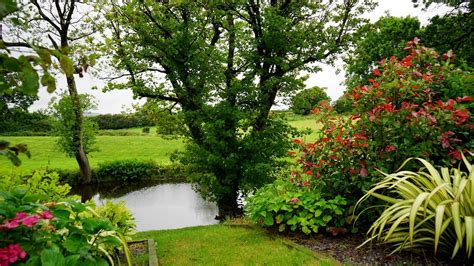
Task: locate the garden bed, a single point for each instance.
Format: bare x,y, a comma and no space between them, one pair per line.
344,249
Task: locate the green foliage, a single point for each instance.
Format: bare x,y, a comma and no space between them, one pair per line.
289,207
426,209
125,170
146,130
303,102
119,216
379,40
121,121
343,105
60,233
64,125
47,184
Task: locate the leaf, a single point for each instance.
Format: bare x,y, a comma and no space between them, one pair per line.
268,221
30,80
52,257
66,64
75,243
48,81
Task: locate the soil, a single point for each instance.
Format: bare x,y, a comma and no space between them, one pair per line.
344,249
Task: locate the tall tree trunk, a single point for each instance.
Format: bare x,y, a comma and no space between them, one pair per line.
78,132
228,205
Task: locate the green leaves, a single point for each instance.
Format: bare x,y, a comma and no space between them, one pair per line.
284,205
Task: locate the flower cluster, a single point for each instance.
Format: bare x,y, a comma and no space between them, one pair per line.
10,254
28,220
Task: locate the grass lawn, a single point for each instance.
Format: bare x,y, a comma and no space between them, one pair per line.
225,244
44,152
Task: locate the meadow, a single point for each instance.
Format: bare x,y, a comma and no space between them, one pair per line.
45,154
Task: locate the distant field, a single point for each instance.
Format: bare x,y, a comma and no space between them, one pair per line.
151,147
44,152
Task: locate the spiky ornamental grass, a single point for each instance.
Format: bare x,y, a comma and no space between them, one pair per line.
427,209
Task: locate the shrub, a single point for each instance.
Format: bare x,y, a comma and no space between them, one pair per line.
296,208
45,184
146,130
303,102
343,105
417,106
56,233
119,216
124,170
426,209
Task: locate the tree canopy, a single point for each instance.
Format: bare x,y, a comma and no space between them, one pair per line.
224,63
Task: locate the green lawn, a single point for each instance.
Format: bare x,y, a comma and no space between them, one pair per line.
225,244
44,152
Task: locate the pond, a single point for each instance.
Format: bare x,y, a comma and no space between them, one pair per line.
156,206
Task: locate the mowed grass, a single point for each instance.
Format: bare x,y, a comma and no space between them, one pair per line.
44,152
225,244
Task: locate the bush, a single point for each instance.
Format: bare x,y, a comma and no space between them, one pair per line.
343,105
303,102
119,216
426,209
146,130
122,121
296,208
415,107
56,233
124,170
42,183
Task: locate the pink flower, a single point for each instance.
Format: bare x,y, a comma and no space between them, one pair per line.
47,215
294,200
11,254
30,220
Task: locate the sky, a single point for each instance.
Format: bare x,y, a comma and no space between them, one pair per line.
121,100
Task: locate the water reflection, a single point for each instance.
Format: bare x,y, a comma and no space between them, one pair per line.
158,206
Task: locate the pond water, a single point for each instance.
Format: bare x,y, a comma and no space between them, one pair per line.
156,206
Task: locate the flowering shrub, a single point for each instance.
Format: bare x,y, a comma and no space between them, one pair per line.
56,233
417,106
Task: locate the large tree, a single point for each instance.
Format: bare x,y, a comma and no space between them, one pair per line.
224,63
58,27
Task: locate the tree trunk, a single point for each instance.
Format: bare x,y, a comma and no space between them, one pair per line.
81,156
228,206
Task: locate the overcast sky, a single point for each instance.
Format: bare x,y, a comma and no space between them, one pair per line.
117,101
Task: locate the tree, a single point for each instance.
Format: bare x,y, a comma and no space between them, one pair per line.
343,105
303,102
224,63
57,27
63,125
382,39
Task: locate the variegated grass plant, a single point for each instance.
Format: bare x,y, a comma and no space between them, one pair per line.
426,209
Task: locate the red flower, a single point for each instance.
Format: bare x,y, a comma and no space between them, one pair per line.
306,183
308,172
371,80
360,136
464,99
298,141
376,72
390,148
455,155
30,220
461,116
294,200
293,173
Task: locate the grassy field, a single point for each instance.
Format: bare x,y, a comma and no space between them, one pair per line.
45,154
228,245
